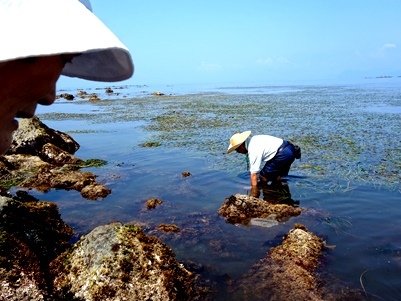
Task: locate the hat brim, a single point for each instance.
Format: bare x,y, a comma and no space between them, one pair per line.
243,137
48,27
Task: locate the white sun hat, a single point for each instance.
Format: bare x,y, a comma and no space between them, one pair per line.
236,140
30,28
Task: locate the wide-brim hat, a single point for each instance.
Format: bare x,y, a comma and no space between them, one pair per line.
32,28
237,139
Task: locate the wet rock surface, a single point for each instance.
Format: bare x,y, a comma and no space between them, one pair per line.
32,135
287,273
153,203
120,262
43,158
32,235
240,209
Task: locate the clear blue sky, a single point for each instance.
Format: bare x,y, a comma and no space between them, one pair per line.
175,42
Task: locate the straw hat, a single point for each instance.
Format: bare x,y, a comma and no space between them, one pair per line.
50,27
236,140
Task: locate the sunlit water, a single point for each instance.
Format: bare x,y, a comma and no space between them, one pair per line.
362,218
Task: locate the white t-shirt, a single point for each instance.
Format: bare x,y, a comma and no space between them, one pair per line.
261,148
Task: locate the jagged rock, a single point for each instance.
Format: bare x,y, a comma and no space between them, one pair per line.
240,209
120,262
32,234
55,155
32,134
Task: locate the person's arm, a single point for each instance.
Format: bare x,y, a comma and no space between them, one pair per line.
254,182
254,179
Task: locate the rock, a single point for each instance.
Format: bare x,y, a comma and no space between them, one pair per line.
157,93
288,273
153,203
57,178
32,235
32,135
66,96
55,155
120,262
36,162
95,191
240,209
109,90
82,94
94,97
168,228
185,174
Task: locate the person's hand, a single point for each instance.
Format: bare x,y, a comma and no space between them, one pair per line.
255,192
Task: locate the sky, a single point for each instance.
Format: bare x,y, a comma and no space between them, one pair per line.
261,41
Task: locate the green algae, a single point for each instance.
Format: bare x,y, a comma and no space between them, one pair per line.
340,139
93,163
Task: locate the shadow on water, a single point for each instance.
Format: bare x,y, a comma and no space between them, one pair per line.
347,201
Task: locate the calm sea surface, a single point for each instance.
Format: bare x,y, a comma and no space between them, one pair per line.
348,178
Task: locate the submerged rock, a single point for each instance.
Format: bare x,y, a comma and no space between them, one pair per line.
120,262
241,209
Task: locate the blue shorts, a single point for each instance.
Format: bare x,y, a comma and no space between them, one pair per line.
280,164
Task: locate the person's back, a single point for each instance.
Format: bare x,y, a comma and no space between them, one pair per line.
262,148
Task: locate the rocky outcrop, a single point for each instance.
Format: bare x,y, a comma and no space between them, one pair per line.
287,273
112,262
241,209
32,135
120,262
32,234
43,158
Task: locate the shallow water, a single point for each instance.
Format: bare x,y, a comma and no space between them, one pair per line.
348,177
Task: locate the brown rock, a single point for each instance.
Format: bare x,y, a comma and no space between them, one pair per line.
120,262
55,155
242,208
288,273
168,228
153,203
32,134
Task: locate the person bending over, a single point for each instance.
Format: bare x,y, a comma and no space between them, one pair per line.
269,157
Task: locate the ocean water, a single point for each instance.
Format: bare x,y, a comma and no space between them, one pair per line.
348,177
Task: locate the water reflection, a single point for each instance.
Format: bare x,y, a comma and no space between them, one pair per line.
276,193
